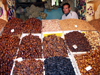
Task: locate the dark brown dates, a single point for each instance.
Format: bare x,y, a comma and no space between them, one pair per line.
32,25
77,42
30,47
54,46
14,24
8,49
28,67
92,59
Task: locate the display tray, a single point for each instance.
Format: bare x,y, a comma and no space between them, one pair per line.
54,45
74,63
20,59
87,63
35,34
57,33
30,48
75,42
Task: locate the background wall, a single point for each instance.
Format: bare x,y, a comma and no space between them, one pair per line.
53,14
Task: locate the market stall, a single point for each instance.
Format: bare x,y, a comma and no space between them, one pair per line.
32,46
61,47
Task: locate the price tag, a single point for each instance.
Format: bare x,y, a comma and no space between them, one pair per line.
12,30
19,59
75,46
76,26
88,68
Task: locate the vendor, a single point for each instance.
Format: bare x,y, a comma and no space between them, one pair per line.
67,12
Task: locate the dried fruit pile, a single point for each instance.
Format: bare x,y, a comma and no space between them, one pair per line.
77,42
28,67
54,46
50,25
91,59
13,27
8,49
58,66
93,38
32,25
30,47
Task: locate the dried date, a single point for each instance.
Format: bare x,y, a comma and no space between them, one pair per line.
30,47
32,25
54,46
28,67
92,59
8,49
77,42
13,27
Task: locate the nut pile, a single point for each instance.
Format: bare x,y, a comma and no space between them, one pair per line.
75,24
77,42
92,59
54,46
28,67
93,38
96,24
50,25
32,25
13,27
30,47
58,66
8,49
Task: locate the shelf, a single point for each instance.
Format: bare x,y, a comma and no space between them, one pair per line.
31,3
25,4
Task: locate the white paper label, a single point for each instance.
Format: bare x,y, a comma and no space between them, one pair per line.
19,59
75,46
88,68
12,30
76,26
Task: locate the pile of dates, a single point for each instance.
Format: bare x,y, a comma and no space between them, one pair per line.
54,46
89,60
13,27
8,49
32,25
30,47
16,26
77,42
28,67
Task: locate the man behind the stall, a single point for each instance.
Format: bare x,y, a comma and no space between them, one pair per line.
67,12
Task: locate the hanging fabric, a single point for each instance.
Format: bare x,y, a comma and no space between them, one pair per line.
11,11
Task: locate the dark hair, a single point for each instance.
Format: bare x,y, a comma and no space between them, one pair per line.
66,4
